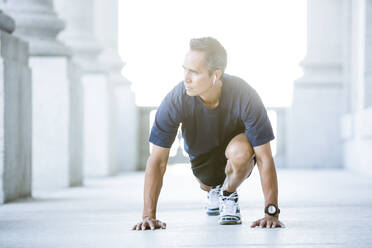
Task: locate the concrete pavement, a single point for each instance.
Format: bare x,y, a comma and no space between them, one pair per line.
320,208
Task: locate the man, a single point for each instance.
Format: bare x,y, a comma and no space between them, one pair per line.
226,131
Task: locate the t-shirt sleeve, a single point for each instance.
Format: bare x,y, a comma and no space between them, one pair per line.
254,116
167,121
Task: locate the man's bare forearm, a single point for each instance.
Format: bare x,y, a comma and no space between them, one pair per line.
155,170
269,181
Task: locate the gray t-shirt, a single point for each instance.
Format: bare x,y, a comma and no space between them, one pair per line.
240,110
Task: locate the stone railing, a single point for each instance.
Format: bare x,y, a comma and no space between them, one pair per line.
279,123
143,149
278,117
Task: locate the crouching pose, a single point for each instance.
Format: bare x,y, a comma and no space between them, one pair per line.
226,131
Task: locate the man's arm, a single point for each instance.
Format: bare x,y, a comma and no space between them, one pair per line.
269,183
155,169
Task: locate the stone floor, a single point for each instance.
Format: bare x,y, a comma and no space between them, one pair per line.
320,208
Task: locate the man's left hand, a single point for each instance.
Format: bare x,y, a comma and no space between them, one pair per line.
268,221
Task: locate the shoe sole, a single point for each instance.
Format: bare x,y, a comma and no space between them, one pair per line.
213,212
230,222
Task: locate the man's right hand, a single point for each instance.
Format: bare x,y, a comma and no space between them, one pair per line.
155,169
149,223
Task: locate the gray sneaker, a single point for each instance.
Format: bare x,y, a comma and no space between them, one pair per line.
229,210
213,204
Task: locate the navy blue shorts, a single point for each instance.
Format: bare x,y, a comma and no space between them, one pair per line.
209,167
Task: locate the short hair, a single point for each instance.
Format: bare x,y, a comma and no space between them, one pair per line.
215,53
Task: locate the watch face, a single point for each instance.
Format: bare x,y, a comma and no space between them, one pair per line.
271,209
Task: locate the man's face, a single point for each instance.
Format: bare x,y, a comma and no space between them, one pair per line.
196,77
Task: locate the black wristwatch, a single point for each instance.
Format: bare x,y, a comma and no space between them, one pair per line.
272,210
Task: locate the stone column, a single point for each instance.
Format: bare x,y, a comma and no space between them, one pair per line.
368,55
15,114
357,123
123,110
314,127
39,25
80,36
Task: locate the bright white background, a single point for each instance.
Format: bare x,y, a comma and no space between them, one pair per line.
265,41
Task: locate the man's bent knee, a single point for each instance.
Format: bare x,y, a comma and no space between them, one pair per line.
239,151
